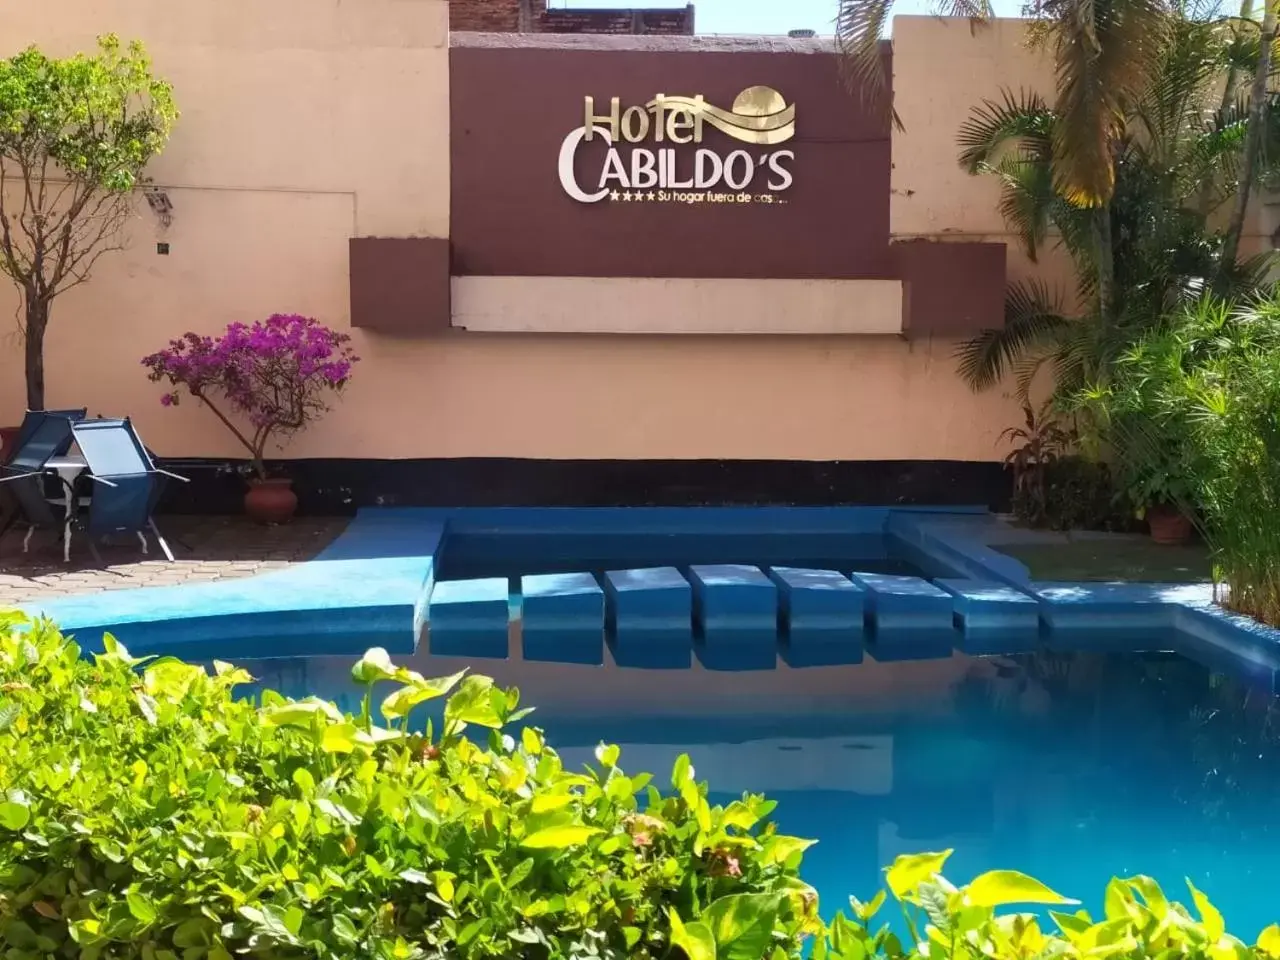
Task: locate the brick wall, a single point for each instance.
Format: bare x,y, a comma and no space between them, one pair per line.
668,22
518,16
486,16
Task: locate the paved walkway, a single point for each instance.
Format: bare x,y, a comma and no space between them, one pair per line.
205,549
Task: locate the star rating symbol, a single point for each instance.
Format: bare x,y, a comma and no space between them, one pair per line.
615,195
652,196
627,197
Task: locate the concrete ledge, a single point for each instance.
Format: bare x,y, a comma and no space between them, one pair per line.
736,608
367,588
821,614
469,618
905,603
995,618
562,618
650,616
733,597
1137,606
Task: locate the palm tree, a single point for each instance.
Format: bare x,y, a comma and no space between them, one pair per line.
1134,220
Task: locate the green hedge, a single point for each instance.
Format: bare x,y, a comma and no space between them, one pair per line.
145,812
148,813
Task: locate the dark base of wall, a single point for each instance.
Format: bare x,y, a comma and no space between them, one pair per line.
327,487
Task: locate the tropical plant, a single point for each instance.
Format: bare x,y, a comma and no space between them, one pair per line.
1054,486
1173,160
75,137
276,374
961,923
1203,393
145,812
1036,446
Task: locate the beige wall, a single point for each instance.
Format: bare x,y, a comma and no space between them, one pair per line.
647,305
307,121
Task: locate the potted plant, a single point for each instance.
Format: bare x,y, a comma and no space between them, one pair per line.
274,376
1159,490
75,137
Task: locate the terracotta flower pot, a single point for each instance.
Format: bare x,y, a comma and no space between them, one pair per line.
271,501
8,436
1169,525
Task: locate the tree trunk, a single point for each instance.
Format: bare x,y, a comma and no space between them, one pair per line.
1104,251
1252,143
37,320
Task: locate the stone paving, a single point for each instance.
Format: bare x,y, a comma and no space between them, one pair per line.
204,548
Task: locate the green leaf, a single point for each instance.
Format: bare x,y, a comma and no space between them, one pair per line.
1073,925
998,888
14,816
546,802
742,924
1150,891
695,940
477,701
375,665
339,738
531,741
607,755
301,713
910,870
1269,941
400,702
780,849
558,838
1214,926
866,911
933,899
337,812
142,908
681,771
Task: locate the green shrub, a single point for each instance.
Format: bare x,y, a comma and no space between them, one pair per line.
961,922
1203,394
145,812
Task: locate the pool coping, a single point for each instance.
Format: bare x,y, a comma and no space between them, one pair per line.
371,587
1100,615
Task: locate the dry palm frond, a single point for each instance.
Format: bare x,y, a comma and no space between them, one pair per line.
860,24
1105,52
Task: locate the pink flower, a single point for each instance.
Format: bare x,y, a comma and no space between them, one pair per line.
274,375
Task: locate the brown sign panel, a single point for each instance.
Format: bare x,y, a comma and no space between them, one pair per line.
687,163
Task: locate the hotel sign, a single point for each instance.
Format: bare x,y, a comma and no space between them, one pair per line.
657,165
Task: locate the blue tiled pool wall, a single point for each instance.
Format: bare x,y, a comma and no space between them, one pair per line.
377,584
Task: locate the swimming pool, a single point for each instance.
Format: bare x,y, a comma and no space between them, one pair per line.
1073,767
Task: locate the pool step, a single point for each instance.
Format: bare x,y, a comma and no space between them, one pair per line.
650,617
743,617
821,616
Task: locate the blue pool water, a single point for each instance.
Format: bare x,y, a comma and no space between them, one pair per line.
1073,767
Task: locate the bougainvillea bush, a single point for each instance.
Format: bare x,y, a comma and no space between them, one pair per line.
145,812
274,376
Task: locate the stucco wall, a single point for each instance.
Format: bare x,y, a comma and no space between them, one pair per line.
305,123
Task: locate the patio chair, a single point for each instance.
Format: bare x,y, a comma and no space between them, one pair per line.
127,484
32,420
25,477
